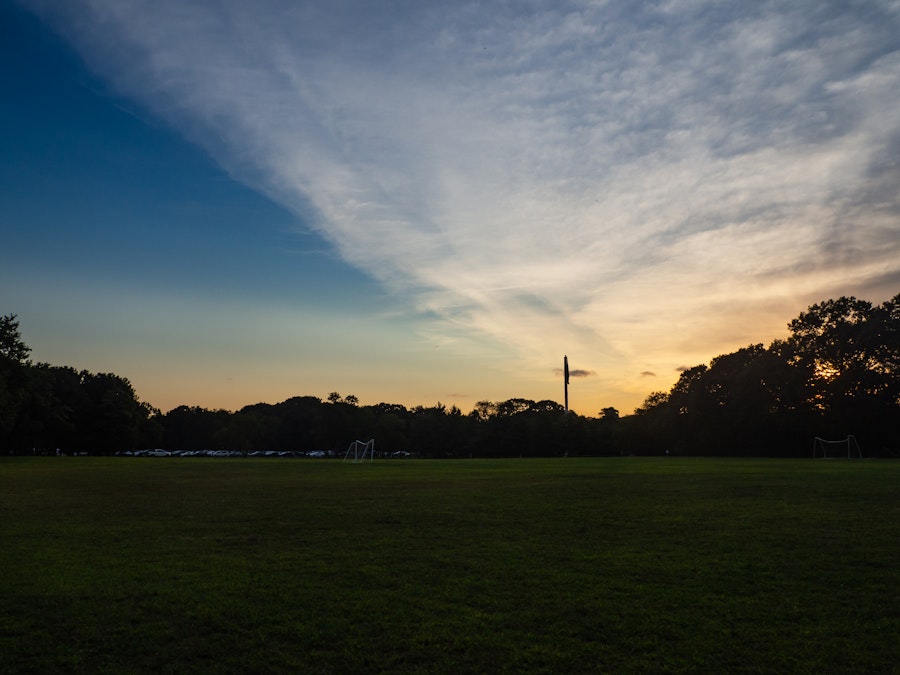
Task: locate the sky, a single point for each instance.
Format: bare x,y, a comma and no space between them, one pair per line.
416,202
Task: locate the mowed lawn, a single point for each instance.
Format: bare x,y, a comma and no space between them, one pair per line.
559,566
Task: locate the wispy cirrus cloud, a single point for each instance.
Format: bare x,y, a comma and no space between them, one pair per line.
632,180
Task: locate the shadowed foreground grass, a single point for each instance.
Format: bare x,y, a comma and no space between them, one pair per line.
603,565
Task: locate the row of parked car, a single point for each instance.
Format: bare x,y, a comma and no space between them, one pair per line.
222,453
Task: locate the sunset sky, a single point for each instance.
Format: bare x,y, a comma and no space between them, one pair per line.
420,201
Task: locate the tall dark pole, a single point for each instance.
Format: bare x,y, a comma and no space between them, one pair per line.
566,378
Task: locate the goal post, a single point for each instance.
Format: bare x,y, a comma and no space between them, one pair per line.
846,448
358,451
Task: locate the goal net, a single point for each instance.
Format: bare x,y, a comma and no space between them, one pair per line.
846,448
358,451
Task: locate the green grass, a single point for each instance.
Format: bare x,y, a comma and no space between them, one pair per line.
602,565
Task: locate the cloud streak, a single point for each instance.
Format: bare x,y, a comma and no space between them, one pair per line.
629,181
575,372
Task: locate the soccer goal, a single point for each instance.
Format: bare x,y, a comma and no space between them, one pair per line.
846,448
359,449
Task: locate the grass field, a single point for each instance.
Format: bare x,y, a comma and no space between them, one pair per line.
559,566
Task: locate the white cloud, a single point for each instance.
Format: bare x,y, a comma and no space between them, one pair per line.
628,178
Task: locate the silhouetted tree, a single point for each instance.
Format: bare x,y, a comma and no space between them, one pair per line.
849,351
390,431
193,428
12,347
13,375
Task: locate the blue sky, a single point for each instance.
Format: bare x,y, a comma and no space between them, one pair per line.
414,202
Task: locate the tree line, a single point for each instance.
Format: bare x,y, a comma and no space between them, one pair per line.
837,373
